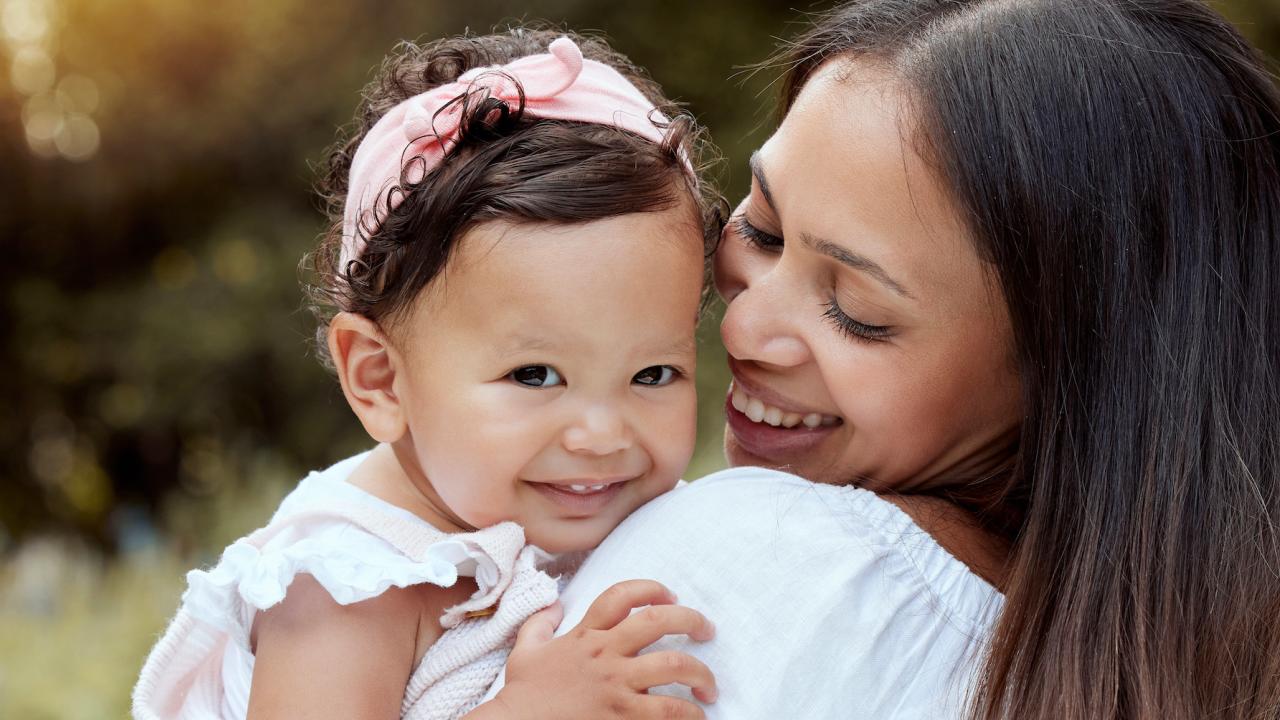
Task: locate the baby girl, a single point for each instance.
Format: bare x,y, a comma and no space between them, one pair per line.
513,280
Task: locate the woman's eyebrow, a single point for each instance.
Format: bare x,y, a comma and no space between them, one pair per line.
855,261
826,247
757,171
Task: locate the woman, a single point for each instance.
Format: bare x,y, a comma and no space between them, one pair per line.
1012,267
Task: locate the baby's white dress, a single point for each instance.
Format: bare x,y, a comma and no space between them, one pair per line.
829,602
356,546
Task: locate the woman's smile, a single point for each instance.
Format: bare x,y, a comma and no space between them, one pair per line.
760,411
769,426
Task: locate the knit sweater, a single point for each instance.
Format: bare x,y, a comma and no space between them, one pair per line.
356,546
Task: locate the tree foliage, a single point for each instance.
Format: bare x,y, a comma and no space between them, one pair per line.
155,342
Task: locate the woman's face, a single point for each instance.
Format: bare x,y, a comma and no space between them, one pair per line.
859,313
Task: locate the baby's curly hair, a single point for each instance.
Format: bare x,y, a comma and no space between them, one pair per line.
505,166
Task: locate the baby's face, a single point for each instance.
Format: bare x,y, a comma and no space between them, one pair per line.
549,374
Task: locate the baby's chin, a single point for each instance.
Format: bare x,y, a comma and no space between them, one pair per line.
578,536
558,534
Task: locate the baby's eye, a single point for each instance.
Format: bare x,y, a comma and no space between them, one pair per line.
656,375
538,376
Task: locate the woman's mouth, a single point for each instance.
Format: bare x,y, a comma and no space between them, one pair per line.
759,411
771,434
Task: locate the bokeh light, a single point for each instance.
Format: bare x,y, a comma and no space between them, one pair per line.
27,21
32,71
57,122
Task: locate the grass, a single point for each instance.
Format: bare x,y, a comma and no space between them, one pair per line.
75,626
74,630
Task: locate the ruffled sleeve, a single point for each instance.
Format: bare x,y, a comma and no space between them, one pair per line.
355,551
350,563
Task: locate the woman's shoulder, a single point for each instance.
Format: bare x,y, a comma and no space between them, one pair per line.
740,495
783,526
824,597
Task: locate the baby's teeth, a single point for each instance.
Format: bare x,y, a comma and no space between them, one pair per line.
773,416
791,420
598,487
812,420
755,410
739,400
578,488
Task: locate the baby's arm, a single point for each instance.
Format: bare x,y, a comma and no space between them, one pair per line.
595,671
315,658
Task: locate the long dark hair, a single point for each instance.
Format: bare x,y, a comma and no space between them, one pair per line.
1119,165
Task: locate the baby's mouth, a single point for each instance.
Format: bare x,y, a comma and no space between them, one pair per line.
583,489
583,498
758,411
583,486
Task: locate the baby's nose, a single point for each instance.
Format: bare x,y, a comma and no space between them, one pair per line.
599,430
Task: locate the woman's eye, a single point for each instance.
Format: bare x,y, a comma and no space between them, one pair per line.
538,376
755,236
656,375
853,328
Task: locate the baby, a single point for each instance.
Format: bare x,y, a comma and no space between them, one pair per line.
513,281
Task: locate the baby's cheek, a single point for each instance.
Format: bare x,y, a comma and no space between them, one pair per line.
483,512
475,494
677,437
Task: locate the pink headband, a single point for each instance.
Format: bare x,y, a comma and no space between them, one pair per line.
558,85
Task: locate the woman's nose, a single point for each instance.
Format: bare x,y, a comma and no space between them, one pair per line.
599,430
763,321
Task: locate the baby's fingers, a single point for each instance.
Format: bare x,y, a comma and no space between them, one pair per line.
540,626
615,603
663,668
646,627
662,707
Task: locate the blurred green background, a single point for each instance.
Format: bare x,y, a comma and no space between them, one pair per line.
156,159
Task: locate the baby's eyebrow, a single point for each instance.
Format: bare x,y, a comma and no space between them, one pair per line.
517,344
683,346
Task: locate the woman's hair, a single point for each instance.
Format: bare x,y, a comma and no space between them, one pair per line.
506,165
1118,166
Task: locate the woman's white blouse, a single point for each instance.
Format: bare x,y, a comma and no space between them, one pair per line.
829,602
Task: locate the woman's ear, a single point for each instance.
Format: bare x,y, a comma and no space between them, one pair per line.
366,365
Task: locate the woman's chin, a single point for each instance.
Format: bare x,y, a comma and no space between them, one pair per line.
737,455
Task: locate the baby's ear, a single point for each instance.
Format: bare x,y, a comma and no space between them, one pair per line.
366,364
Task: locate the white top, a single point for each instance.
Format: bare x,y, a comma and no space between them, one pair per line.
828,601
356,546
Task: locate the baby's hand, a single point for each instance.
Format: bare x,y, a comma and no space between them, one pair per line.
595,671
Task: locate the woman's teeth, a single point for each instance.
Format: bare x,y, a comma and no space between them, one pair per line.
758,411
